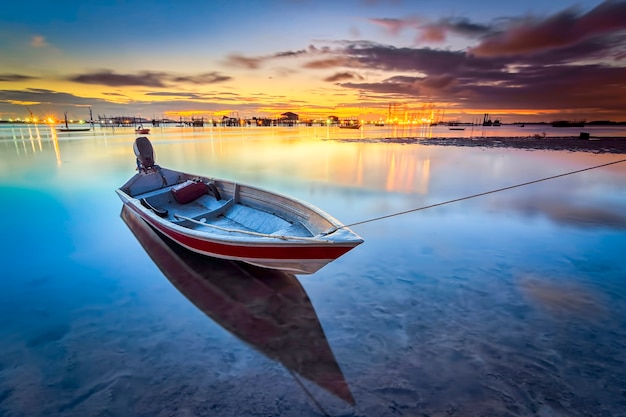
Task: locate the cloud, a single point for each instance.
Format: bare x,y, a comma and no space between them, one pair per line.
38,41
433,31
253,63
390,58
343,76
240,61
181,94
146,79
327,63
44,101
290,54
562,29
15,77
107,77
208,78
43,96
395,26
548,81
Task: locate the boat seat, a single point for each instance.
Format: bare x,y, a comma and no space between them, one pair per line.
216,212
189,191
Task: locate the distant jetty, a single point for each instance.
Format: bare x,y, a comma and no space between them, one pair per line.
568,123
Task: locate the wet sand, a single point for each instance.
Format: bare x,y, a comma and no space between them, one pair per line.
615,145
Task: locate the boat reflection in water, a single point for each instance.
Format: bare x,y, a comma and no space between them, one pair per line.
267,309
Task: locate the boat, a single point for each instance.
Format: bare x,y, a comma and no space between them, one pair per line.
67,128
487,121
140,130
456,128
267,309
225,219
350,126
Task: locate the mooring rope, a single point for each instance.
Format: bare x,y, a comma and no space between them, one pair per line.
481,194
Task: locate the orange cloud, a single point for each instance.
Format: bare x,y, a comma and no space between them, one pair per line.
38,41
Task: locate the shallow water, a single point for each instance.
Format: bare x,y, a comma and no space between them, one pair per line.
511,304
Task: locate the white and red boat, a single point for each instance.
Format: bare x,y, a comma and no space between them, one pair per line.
227,220
140,130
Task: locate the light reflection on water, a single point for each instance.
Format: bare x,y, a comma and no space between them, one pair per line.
510,304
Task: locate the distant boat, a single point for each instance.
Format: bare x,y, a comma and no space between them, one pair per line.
72,129
487,121
456,128
140,130
350,124
267,309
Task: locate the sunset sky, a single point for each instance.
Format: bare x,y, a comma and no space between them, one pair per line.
518,61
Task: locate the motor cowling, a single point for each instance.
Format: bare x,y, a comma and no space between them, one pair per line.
144,153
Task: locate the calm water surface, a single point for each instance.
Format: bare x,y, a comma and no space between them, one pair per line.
512,304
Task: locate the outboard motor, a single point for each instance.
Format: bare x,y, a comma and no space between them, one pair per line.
145,153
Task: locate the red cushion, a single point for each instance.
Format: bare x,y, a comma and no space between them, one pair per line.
188,191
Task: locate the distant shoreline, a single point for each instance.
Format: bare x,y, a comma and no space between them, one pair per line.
616,145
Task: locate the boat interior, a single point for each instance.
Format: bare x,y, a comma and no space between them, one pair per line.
198,205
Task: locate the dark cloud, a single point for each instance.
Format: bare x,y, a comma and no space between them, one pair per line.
557,31
290,54
49,102
343,76
463,26
106,77
185,95
427,60
15,77
240,61
146,79
208,78
437,32
45,97
539,81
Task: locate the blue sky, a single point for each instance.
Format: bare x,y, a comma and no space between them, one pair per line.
533,60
